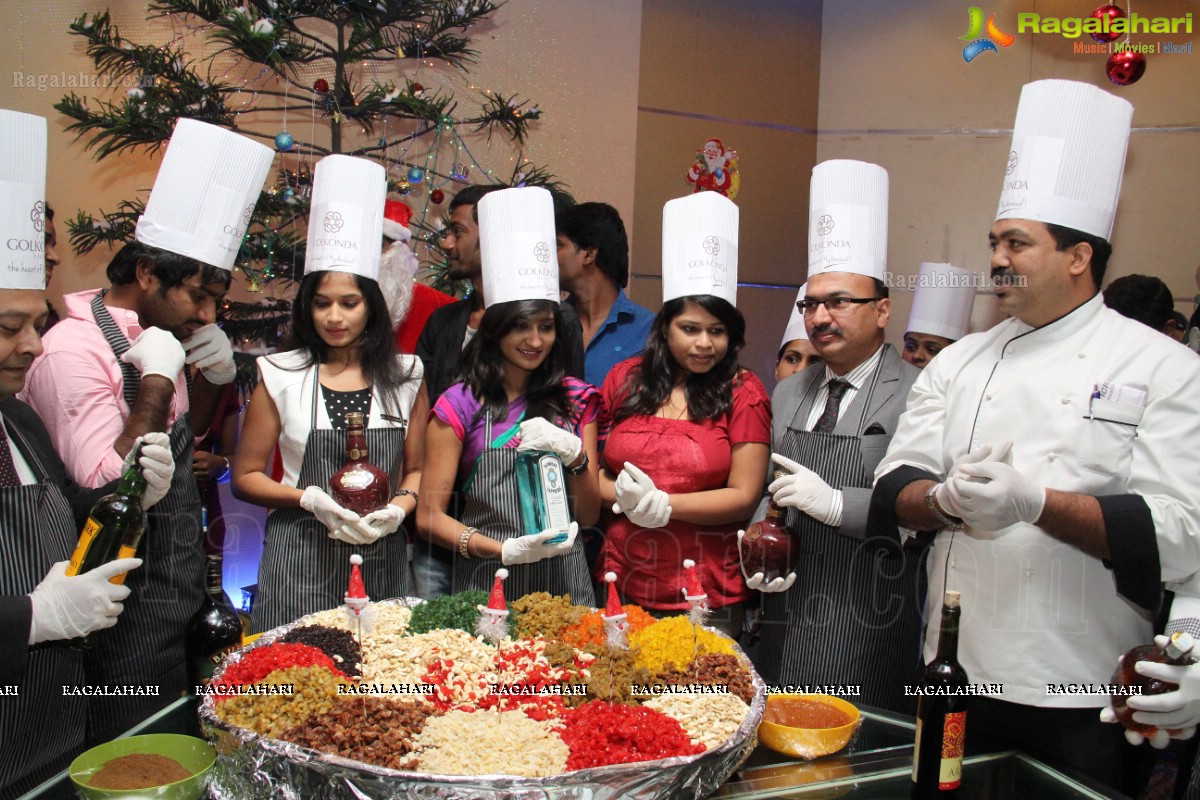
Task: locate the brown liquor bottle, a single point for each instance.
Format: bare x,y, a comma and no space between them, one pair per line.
359,485
1178,651
768,546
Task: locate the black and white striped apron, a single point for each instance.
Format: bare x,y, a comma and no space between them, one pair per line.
302,570
40,728
852,617
491,503
146,647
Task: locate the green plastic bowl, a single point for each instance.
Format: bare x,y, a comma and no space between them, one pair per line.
195,755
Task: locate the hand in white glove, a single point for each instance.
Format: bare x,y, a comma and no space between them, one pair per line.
157,463
67,607
385,520
208,349
1158,741
343,524
629,493
803,489
652,511
942,492
156,352
758,581
536,546
541,434
1175,713
1004,497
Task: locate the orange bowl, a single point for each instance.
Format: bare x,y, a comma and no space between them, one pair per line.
807,742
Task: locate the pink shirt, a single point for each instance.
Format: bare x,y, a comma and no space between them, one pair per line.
77,389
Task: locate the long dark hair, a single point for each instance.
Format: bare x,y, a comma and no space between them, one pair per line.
376,346
650,382
483,364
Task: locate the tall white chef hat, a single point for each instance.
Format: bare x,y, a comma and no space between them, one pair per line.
1067,156
943,301
795,326
517,245
700,247
204,193
848,218
345,223
22,201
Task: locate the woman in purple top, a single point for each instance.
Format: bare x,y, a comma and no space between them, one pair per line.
515,396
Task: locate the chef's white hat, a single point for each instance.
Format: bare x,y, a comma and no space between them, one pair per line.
204,193
1067,156
700,247
22,200
943,301
795,326
848,218
345,221
517,245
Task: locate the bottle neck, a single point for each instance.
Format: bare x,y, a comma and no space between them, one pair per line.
774,511
948,638
212,575
356,443
132,483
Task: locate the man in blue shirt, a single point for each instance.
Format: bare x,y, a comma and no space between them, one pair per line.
593,265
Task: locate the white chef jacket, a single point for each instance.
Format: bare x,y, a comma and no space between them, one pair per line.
289,382
1037,611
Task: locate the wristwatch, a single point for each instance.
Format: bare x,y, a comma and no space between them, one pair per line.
954,523
583,465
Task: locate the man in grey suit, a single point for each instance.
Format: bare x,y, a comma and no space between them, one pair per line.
852,621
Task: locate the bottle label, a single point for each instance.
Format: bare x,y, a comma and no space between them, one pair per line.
554,489
90,529
125,552
355,454
205,667
356,479
954,738
753,533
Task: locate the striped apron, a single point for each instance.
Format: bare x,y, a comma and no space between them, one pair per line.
490,503
302,570
146,647
852,617
40,728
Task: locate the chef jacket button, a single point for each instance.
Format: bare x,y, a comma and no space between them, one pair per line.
1052,456
1083,355
618,348
1028,573
989,395
1066,401
953,563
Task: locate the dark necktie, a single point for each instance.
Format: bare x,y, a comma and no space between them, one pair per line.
8,470
829,417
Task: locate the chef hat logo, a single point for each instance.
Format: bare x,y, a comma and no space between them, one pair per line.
541,252
35,214
333,222
712,245
825,225
1012,162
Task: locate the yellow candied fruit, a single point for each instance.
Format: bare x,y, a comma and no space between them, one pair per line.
673,642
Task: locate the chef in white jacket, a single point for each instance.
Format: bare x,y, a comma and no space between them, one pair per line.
1054,452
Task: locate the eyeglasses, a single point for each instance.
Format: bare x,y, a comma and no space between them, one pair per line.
834,305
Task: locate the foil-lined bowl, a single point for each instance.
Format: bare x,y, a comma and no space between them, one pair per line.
255,767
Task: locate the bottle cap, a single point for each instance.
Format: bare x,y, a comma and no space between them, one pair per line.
354,418
952,599
1180,645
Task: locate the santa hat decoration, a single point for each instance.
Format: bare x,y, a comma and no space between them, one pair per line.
693,592
493,618
613,610
356,591
615,619
395,220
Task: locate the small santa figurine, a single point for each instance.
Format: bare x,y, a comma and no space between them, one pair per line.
693,592
616,621
714,169
358,608
493,618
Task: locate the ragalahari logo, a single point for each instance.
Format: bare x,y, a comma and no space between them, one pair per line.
977,44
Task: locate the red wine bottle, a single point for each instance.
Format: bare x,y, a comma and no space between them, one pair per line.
1178,651
941,716
359,485
768,546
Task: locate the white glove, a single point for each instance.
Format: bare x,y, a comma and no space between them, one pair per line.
156,352
1175,713
1158,741
208,349
343,524
803,489
757,580
68,607
385,520
629,493
942,492
1002,498
535,547
652,511
541,434
157,463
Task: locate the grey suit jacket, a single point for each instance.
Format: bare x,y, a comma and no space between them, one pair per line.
792,403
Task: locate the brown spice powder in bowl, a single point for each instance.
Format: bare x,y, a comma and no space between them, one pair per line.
139,771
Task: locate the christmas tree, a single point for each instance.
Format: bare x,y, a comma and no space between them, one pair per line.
365,102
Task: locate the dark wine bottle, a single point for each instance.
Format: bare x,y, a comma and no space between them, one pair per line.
214,631
115,525
941,717
359,485
1178,651
768,546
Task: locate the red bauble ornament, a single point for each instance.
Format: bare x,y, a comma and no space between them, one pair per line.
321,85
1125,68
1112,13
437,196
417,89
